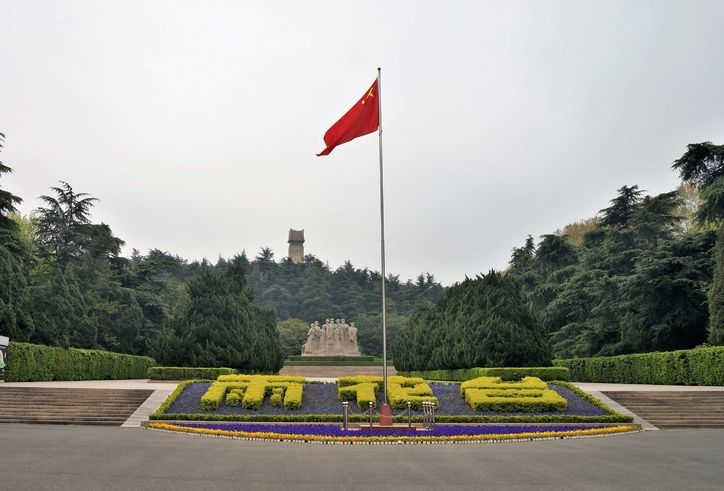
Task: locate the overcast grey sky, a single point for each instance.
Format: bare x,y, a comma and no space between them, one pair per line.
196,123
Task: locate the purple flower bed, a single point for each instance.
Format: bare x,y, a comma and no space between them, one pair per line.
336,430
322,399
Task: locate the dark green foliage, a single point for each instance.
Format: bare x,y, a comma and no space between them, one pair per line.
369,334
292,335
188,373
32,362
711,210
15,259
635,283
310,291
62,229
221,327
716,294
622,207
506,374
483,322
7,199
701,366
701,164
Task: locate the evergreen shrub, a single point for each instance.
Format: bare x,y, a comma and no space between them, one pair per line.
506,374
213,397
528,400
188,373
363,393
700,366
293,396
33,362
484,321
252,389
496,383
378,380
234,396
254,396
399,396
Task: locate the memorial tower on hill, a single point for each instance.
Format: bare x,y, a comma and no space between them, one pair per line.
296,245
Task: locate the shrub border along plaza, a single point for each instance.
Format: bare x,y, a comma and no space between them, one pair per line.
547,374
700,366
188,373
35,363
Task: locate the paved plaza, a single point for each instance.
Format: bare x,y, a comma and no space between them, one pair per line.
68,457
72,458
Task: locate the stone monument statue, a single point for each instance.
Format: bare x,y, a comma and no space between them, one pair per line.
334,338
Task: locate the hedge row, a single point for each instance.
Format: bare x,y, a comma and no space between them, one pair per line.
377,379
400,395
507,374
496,383
251,390
352,360
528,400
701,366
188,373
362,393
33,362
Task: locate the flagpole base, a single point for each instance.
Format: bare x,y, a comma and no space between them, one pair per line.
385,415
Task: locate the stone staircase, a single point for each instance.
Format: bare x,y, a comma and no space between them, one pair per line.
679,409
110,407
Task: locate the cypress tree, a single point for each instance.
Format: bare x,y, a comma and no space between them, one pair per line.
716,294
481,322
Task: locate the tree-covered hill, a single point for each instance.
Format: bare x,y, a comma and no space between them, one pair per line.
63,282
646,274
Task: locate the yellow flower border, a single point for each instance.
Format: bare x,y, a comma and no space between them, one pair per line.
391,440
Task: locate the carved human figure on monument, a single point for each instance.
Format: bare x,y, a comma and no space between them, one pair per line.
329,337
337,346
352,333
314,335
351,347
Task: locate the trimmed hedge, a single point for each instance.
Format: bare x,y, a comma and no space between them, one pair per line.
250,391
363,393
528,400
508,374
378,380
33,363
700,366
340,360
188,373
496,383
400,395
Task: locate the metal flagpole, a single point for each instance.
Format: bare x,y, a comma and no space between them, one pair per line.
382,241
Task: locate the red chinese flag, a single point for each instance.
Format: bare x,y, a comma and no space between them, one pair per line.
362,119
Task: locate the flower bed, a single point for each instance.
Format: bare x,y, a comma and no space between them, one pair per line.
334,433
581,416
320,403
